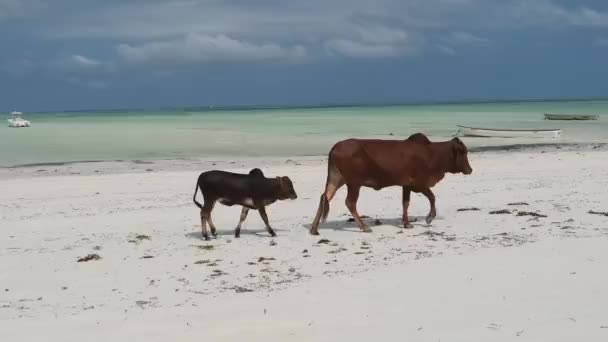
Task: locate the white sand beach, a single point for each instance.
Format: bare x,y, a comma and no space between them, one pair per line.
469,276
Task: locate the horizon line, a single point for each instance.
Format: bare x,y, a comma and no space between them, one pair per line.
211,107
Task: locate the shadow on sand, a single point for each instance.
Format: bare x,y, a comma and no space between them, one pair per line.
261,233
349,225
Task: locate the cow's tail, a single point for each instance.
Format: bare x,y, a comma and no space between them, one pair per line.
194,197
323,210
332,184
321,215
324,207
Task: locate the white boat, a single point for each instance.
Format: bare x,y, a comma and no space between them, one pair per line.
507,133
16,121
571,116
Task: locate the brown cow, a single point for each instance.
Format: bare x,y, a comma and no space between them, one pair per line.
416,164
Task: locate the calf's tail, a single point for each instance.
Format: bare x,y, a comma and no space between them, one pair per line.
194,197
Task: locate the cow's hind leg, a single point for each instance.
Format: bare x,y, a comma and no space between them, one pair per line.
262,211
334,182
433,212
237,231
351,204
406,204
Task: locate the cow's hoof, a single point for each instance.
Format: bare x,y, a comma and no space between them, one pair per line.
407,226
366,230
429,219
206,237
273,234
314,232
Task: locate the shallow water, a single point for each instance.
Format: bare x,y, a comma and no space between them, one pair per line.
129,135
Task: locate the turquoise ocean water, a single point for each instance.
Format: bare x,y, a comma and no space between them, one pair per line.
129,135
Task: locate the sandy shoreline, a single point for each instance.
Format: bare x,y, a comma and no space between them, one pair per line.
158,280
99,167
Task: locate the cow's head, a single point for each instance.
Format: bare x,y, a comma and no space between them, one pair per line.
460,160
286,190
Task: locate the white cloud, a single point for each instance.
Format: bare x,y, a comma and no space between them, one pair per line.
200,48
602,42
589,17
77,62
172,32
19,68
374,42
81,82
350,48
159,20
446,49
464,38
84,61
450,43
14,9
313,19
78,65
74,69
548,14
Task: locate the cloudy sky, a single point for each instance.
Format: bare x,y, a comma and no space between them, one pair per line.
80,54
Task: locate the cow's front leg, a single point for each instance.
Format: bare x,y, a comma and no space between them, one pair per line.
351,203
406,204
433,212
237,231
262,211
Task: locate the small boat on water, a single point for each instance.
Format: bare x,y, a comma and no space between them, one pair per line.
571,116
507,133
16,121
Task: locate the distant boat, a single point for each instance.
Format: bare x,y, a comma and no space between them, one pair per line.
507,133
571,116
16,121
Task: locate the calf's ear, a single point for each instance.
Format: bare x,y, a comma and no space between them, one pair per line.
285,182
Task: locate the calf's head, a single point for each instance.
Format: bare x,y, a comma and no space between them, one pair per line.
286,190
460,160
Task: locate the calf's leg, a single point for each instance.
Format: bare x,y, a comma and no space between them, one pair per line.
205,215
211,225
262,211
351,204
433,212
204,225
406,204
237,231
